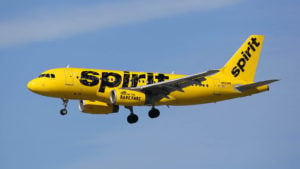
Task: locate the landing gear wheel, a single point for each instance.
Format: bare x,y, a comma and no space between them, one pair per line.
154,113
132,118
63,112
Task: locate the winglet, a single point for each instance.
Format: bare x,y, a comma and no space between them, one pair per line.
246,87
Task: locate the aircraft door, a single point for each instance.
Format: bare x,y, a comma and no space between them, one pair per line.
69,77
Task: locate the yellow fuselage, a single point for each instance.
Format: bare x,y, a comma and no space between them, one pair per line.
94,84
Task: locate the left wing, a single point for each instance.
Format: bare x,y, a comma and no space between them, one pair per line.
161,90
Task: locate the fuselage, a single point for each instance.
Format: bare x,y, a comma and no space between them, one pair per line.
104,91
97,84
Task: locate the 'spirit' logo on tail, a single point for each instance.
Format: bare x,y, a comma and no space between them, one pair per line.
246,56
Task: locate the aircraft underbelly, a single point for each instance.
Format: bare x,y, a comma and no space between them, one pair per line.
192,96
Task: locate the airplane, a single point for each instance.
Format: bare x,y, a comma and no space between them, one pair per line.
104,91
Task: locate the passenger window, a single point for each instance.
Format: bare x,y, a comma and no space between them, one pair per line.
52,76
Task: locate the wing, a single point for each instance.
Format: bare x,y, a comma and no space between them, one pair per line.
161,90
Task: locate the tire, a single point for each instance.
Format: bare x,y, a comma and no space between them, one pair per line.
132,118
63,112
154,113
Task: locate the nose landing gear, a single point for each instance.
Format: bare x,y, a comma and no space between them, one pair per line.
64,111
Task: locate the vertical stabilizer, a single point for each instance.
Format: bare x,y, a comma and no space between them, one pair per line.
242,65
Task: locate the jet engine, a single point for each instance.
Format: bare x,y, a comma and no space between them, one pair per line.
127,97
97,107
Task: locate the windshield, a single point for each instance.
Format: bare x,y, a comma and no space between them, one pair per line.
47,75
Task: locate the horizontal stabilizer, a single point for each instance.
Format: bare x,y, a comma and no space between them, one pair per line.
246,87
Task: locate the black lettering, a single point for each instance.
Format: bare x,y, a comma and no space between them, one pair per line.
135,79
255,42
150,78
244,55
248,52
241,64
126,79
235,71
88,78
251,46
161,77
106,83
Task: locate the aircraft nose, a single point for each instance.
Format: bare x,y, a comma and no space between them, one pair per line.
38,86
31,85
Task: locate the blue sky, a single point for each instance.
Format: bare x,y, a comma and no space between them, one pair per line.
261,131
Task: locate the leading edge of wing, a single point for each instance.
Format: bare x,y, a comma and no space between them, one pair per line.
195,78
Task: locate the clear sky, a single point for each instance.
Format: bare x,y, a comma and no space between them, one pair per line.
190,36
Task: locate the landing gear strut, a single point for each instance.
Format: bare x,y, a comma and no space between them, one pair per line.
132,118
64,111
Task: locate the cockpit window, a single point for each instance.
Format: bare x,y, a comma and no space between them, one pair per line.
42,75
47,75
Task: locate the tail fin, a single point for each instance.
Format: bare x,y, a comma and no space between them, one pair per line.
242,65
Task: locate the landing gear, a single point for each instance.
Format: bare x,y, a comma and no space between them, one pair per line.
132,118
64,111
153,113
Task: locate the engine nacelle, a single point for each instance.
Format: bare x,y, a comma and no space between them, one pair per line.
127,97
96,107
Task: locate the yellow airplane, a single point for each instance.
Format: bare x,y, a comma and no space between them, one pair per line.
103,91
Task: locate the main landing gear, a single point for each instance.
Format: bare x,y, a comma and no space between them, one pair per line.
133,118
64,111
153,113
